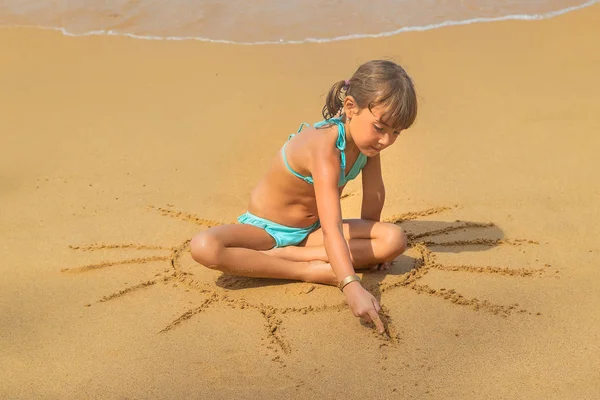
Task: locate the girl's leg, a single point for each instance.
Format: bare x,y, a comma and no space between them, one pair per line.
369,242
235,249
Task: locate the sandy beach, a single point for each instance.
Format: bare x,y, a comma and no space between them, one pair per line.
116,151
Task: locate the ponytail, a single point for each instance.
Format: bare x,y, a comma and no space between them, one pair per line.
335,99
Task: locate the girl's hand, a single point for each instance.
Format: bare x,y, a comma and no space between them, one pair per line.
363,304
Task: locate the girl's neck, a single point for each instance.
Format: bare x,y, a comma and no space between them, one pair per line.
350,145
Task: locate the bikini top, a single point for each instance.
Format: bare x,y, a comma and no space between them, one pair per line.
359,164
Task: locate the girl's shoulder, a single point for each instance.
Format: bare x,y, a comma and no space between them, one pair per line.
311,144
317,135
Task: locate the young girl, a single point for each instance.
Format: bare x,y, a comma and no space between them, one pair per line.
294,228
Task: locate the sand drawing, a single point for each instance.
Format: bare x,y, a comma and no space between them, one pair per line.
224,290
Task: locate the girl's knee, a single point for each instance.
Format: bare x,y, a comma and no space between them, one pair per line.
205,249
395,241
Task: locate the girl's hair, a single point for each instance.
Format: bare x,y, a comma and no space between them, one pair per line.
377,82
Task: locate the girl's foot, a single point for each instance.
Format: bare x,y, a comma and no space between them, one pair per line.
320,272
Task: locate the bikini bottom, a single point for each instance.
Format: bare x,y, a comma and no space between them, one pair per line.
283,235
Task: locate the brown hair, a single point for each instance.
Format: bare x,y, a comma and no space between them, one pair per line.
377,82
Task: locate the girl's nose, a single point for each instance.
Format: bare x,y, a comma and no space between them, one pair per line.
385,140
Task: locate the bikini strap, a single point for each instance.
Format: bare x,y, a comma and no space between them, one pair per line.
307,179
302,125
341,143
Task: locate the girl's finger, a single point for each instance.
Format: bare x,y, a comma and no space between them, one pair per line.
366,319
376,305
378,324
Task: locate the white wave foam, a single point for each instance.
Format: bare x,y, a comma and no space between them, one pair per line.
515,17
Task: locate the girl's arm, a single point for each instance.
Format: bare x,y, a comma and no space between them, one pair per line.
373,190
326,173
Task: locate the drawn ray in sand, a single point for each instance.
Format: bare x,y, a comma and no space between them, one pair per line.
424,263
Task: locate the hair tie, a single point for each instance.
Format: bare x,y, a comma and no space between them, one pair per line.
346,83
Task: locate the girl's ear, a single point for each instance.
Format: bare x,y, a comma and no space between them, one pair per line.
350,107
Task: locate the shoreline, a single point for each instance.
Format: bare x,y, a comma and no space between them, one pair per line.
354,36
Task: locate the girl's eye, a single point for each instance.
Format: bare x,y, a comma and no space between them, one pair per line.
379,129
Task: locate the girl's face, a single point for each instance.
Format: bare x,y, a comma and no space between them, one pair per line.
368,132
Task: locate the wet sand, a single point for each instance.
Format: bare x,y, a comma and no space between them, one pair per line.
116,151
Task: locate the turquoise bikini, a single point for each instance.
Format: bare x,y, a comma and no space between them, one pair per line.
283,235
291,236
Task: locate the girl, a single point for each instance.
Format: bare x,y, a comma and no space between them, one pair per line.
294,228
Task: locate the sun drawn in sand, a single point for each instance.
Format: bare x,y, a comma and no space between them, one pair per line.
224,290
